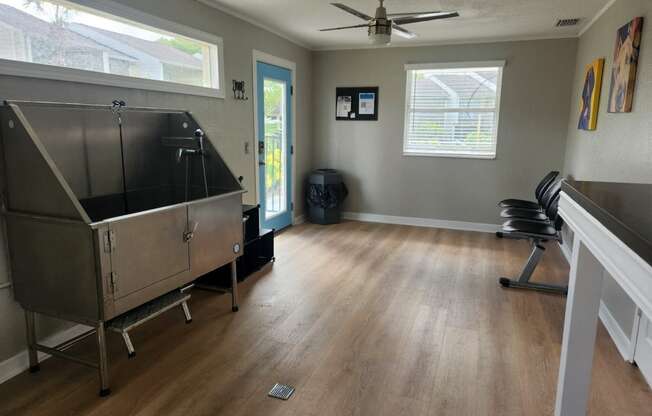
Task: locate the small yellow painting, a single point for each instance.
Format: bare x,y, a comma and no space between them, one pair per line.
590,100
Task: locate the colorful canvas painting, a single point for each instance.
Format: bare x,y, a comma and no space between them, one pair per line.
590,100
623,74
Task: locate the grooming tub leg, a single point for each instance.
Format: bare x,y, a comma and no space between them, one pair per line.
103,362
30,330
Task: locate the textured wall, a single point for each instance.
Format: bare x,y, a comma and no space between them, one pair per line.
229,123
531,134
620,150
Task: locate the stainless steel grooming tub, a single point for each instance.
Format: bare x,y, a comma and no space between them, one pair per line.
109,207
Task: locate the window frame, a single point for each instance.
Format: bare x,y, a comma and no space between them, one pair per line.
111,9
500,64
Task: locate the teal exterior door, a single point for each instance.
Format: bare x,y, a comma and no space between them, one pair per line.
274,102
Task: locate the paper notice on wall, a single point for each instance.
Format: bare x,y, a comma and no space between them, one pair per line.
366,102
343,105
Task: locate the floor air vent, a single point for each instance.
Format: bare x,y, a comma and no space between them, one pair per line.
281,391
567,22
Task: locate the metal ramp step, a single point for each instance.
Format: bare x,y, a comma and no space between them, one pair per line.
127,321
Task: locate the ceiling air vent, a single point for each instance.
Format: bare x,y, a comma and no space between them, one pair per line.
567,22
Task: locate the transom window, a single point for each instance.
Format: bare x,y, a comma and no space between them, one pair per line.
68,35
451,110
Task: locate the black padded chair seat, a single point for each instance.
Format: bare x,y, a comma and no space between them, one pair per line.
526,214
519,203
530,228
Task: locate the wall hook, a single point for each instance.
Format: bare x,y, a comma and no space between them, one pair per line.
239,90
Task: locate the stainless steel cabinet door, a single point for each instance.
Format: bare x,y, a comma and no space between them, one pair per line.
217,237
148,249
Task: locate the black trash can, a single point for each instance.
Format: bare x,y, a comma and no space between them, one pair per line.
326,192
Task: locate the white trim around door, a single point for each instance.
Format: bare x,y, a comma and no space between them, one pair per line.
259,56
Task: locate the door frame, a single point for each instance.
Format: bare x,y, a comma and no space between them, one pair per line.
259,56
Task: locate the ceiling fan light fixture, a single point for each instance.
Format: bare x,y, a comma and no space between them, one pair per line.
380,33
380,26
380,38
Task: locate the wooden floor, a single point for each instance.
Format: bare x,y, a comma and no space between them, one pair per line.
363,319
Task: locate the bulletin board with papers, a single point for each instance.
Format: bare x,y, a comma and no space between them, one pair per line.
356,104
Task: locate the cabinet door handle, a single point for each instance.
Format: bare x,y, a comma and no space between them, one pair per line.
188,235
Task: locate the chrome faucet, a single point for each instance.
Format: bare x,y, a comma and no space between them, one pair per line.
181,152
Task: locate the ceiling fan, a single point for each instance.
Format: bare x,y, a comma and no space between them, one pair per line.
381,26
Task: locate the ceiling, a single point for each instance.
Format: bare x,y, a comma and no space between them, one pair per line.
480,20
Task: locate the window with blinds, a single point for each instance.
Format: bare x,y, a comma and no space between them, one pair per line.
452,110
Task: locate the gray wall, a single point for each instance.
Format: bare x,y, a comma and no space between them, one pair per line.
620,150
229,123
531,135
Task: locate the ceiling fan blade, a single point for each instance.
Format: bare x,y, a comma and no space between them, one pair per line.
403,32
407,20
352,11
343,27
417,14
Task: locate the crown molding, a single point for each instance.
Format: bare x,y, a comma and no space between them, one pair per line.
472,41
225,9
597,17
215,5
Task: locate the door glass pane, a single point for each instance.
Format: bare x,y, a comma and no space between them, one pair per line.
275,148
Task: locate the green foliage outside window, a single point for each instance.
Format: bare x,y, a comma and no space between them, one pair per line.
185,45
274,163
273,154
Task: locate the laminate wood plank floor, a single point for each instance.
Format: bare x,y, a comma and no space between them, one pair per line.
363,319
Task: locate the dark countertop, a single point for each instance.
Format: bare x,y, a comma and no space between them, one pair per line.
625,209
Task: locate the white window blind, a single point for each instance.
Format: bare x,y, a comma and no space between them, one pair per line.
452,109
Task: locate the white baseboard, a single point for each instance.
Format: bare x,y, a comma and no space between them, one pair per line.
299,219
622,341
422,222
20,362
